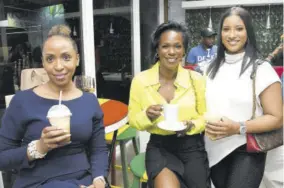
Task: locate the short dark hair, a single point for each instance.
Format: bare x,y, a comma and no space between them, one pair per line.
251,50
169,26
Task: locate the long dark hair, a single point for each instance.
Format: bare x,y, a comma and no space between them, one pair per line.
251,50
169,26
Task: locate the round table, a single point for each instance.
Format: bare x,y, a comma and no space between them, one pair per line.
114,127
115,114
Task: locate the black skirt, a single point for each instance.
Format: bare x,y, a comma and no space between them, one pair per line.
185,156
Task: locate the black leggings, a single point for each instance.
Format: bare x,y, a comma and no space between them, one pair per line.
239,170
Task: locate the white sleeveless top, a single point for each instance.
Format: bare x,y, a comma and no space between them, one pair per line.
231,95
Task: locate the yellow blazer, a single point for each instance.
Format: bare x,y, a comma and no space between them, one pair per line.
144,92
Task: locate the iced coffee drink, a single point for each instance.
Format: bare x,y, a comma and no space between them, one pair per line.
212,117
59,116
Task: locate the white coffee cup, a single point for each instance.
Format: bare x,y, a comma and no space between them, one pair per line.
170,112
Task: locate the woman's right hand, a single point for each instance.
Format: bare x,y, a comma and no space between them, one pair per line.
51,138
154,111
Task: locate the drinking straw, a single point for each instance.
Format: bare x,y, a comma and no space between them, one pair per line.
60,97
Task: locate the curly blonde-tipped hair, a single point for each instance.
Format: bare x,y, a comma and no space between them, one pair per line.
60,30
64,31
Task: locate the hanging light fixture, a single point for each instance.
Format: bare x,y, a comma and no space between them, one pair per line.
111,30
210,20
74,29
268,19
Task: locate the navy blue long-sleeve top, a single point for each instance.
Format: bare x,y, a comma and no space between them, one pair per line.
24,121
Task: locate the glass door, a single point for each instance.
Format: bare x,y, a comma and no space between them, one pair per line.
116,43
23,28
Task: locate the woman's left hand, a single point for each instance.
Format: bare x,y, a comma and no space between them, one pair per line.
98,183
223,128
189,125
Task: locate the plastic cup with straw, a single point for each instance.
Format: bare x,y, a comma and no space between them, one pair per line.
59,115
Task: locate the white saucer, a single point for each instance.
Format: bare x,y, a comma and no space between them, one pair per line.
169,126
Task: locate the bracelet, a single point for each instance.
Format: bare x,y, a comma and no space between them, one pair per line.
32,151
243,128
101,178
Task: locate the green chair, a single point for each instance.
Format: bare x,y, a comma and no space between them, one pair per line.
126,135
137,167
123,138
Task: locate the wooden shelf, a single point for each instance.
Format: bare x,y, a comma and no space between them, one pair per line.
105,11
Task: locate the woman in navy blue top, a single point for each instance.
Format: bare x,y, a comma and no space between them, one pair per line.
25,127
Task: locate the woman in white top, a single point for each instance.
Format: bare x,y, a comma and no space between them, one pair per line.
229,101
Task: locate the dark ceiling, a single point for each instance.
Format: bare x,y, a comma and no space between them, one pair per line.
70,5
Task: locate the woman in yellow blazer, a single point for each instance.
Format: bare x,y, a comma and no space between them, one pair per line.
173,159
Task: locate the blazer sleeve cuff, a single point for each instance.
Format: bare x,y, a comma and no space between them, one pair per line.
26,163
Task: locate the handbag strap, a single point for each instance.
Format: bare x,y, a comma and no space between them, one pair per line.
253,77
33,74
37,75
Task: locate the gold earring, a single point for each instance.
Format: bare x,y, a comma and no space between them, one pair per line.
157,56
